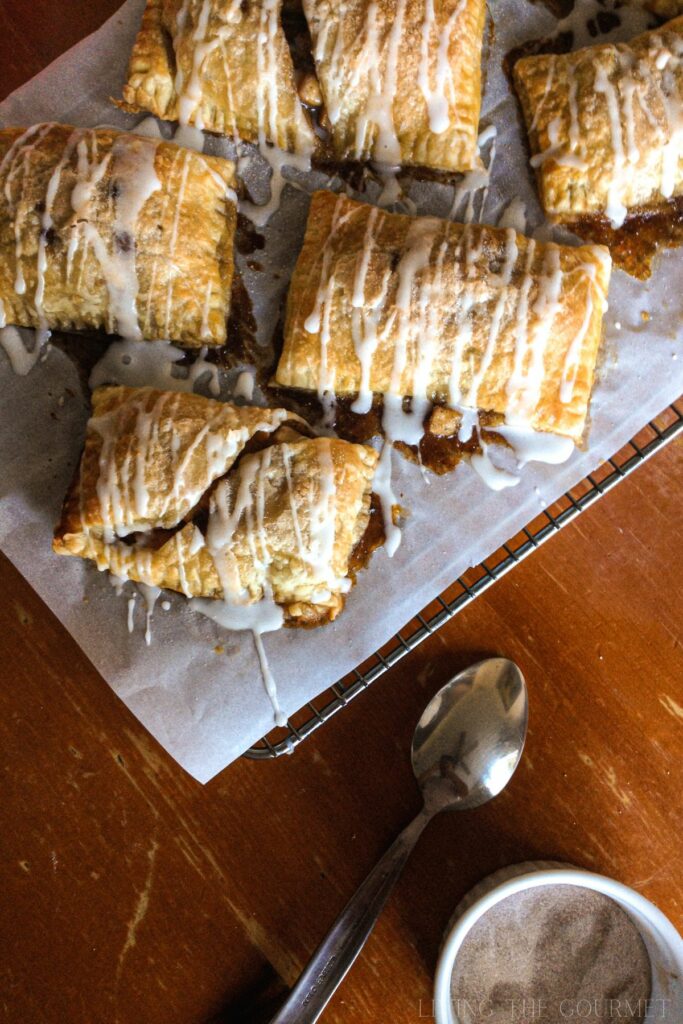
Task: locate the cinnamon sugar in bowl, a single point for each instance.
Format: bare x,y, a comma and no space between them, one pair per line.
550,944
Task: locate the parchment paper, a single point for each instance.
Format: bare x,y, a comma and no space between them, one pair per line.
205,707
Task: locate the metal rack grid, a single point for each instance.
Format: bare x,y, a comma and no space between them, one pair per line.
650,439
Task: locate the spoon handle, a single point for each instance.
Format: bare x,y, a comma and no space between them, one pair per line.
347,936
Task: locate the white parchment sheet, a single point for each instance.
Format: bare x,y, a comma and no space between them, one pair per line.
205,707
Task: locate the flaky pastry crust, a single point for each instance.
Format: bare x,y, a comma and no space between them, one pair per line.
104,230
463,315
218,501
604,124
221,65
401,79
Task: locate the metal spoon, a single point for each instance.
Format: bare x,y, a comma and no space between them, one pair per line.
465,749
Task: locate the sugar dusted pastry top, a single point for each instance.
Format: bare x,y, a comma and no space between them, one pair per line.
606,124
220,65
218,501
464,315
104,230
401,79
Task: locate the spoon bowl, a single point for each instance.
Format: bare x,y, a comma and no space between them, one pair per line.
470,736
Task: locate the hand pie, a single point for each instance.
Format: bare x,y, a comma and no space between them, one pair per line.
218,501
401,79
221,65
470,317
605,125
103,230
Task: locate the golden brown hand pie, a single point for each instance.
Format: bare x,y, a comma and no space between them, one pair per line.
467,316
103,230
606,125
221,65
218,501
401,79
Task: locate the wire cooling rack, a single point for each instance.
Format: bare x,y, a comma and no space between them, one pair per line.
475,581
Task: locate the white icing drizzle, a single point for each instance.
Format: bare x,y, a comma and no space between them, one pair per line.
150,596
279,717
398,424
392,193
521,401
615,209
131,613
149,126
524,388
134,176
46,225
190,91
190,137
244,386
550,78
557,150
323,525
260,618
318,322
673,106
379,109
186,155
501,282
437,97
382,487
267,93
364,317
495,477
22,358
514,216
573,355
266,60
574,128
475,182
117,583
154,364
536,446
527,445
629,81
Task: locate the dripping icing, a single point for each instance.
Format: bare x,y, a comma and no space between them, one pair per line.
154,364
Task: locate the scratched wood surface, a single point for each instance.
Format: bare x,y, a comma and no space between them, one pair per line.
131,894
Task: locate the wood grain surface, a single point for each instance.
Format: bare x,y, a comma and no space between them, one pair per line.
133,895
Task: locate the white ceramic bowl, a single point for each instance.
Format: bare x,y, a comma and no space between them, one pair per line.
664,944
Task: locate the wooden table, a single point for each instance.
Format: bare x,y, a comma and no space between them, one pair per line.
132,894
